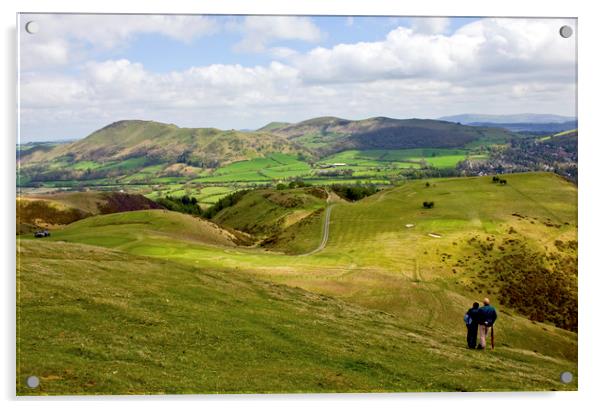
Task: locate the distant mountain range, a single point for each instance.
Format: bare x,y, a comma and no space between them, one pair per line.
507,119
532,128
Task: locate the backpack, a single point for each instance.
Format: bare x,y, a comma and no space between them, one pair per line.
467,319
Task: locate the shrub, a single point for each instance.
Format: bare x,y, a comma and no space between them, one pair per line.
542,287
428,205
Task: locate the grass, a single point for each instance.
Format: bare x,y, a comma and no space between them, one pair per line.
267,212
110,322
400,158
272,167
372,262
128,228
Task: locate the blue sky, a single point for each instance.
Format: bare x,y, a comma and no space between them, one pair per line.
161,53
79,73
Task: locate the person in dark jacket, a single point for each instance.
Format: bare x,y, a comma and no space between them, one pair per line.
472,325
486,318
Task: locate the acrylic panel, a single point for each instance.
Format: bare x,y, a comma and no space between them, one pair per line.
295,204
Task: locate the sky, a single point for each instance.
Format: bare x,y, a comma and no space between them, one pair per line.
79,73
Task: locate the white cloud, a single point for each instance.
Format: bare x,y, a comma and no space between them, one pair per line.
483,51
282,53
260,31
492,66
65,37
430,25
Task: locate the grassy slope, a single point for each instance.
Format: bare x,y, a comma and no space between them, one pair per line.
373,260
85,201
62,208
266,212
329,134
129,228
98,321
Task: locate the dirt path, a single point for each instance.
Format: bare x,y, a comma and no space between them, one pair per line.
325,229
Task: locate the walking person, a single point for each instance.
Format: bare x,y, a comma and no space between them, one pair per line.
472,325
486,318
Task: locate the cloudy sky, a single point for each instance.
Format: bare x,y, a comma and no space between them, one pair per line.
80,72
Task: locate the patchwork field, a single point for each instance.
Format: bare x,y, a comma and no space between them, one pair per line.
142,175
386,255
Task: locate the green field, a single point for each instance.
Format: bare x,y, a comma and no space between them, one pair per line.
368,166
401,158
273,167
383,311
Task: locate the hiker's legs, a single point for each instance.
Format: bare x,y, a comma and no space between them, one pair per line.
482,335
471,337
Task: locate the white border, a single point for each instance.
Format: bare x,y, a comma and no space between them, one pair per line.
589,190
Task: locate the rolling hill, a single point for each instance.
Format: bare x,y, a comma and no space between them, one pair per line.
154,142
127,228
166,143
61,208
266,212
378,309
328,135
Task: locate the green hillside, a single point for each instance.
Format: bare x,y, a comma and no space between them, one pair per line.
128,229
267,212
328,135
136,144
114,323
387,256
61,208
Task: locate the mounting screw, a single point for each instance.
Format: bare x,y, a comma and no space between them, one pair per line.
566,31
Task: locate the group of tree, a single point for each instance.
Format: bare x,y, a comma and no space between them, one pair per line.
335,172
292,185
225,202
354,192
428,205
183,204
497,179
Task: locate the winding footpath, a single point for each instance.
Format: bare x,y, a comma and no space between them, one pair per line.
325,230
